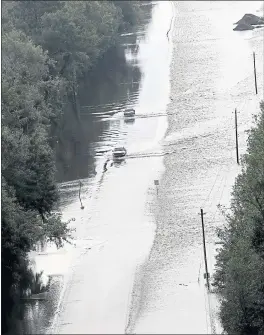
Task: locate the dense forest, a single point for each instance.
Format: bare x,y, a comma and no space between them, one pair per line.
240,262
47,46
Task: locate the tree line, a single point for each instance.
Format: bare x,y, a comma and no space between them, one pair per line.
47,46
239,278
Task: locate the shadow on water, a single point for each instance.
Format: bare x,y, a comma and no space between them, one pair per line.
32,316
112,86
102,91
108,89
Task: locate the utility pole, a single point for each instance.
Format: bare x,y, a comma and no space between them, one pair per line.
80,184
205,257
236,137
255,74
156,182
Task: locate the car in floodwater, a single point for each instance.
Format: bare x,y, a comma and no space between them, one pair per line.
119,152
129,113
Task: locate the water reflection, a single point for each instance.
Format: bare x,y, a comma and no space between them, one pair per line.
107,90
113,86
37,313
130,121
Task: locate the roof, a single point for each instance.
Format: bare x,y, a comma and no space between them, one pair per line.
119,148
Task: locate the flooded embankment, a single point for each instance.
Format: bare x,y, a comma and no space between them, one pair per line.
136,264
92,279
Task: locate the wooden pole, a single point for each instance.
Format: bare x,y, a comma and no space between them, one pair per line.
205,257
156,182
82,207
237,156
255,74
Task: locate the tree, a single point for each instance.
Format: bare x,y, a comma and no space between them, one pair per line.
46,47
131,12
29,190
35,184
240,263
79,33
19,231
27,15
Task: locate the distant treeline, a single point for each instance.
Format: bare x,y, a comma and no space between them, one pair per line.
46,47
240,262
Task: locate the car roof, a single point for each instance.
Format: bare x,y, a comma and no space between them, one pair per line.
120,148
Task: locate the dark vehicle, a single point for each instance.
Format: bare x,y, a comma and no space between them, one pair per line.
129,112
119,152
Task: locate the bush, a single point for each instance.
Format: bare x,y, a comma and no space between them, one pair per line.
239,277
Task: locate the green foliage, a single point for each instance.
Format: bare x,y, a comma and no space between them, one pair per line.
19,229
75,33
240,263
26,15
26,114
46,47
29,94
131,12
35,184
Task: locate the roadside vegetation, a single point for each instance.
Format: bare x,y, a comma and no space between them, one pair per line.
47,46
240,262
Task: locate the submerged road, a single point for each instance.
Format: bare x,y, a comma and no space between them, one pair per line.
115,231
211,75
136,265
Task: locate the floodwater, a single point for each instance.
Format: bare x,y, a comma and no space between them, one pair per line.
136,265
211,75
116,229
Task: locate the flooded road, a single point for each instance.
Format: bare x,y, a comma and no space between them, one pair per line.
211,75
115,231
136,263
92,280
